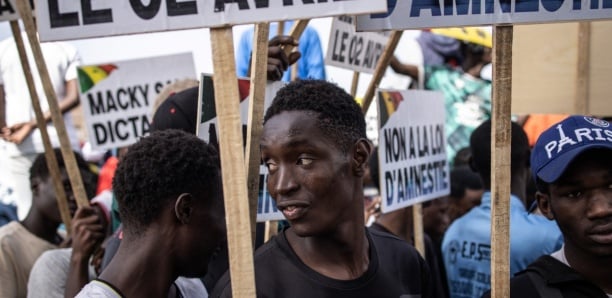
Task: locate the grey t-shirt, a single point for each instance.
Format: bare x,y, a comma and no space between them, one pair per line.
49,274
188,288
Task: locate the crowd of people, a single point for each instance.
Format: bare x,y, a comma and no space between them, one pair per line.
159,230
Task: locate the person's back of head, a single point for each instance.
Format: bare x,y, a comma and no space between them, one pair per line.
480,145
178,111
338,114
158,168
466,191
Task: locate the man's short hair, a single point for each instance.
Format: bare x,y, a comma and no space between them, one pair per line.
158,169
462,178
480,144
338,115
40,170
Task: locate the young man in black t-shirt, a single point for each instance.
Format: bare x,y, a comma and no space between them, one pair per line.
315,148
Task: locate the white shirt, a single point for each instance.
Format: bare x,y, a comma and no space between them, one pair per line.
61,60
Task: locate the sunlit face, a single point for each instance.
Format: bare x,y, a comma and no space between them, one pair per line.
310,178
581,202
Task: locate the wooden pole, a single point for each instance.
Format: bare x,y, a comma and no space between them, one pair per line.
581,101
257,94
417,219
354,83
280,29
25,11
296,31
232,164
500,161
381,67
54,171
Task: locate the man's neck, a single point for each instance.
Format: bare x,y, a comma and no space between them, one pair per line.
141,267
343,255
593,268
42,228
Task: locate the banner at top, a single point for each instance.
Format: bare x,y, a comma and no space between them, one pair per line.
8,10
74,19
414,14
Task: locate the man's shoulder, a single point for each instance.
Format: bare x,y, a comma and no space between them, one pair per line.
98,289
11,231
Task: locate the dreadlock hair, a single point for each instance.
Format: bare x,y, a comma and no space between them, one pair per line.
40,170
157,169
480,143
339,116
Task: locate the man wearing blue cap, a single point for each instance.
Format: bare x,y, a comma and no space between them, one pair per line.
572,165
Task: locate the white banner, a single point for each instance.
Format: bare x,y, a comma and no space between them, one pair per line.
73,19
208,130
8,10
412,148
117,97
355,51
414,14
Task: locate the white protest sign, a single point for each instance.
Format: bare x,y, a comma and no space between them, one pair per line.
355,51
413,14
8,10
72,19
208,130
117,97
412,148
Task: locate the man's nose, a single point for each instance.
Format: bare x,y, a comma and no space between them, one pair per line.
600,203
283,181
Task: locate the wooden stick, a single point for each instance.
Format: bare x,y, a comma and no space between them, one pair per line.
280,29
354,83
417,219
257,94
295,32
581,101
54,171
25,11
500,161
232,164
381,67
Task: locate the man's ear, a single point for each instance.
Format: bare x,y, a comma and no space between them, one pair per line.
544,205
361,156
183,208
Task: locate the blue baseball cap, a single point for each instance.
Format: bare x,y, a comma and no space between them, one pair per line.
561,143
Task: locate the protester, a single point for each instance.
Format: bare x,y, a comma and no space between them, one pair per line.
400,223
467,96
63,272
315,148
171,222
572,163
310,66
21,243
20,140
466,192
467,243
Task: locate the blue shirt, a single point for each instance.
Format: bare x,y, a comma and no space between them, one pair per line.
466,247
310,65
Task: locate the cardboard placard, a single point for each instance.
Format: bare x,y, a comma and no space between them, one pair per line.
208,131
73,19
351,50
413,14
117,97
412,148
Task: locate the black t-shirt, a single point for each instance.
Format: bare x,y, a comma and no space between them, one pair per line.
395,270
